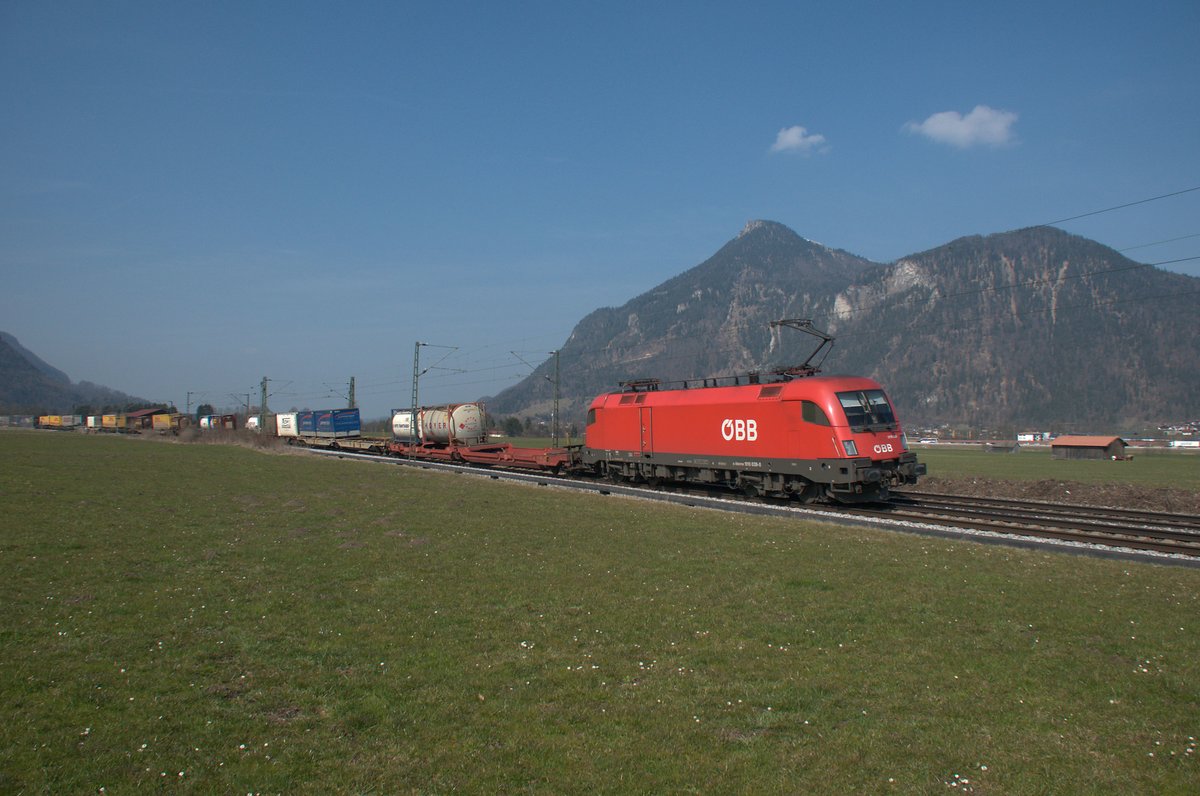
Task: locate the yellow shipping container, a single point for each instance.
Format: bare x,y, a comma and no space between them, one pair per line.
171,422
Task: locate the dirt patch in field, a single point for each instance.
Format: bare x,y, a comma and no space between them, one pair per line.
1178,501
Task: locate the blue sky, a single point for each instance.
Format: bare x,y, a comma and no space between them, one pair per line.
194,196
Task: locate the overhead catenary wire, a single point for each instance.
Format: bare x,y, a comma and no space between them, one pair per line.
1160,243
1119,207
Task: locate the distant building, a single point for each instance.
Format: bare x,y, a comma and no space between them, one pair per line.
1088,448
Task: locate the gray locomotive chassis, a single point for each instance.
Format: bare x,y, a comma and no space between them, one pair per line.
840,475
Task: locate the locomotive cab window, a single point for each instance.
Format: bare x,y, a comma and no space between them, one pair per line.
867,410
813,414
591,418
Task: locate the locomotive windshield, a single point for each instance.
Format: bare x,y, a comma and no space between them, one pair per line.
867,410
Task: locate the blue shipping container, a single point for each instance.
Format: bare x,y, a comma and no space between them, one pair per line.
338,423
306,424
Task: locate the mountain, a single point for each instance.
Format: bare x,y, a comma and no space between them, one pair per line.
1031,327
33,359
1034,326
30,386
711,320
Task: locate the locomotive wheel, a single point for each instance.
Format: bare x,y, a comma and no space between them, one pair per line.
810,494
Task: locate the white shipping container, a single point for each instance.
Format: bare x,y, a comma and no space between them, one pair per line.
402,425
285,425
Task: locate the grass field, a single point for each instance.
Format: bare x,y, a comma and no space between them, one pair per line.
214,619
1149,467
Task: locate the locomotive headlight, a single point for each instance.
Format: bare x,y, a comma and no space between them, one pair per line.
851,448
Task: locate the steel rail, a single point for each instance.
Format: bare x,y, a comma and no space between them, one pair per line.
1100,514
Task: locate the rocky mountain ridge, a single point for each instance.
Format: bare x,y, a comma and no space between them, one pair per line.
1033,326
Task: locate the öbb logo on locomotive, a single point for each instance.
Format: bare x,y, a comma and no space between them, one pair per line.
739,429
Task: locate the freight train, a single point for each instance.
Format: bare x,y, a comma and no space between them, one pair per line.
795,435
810,438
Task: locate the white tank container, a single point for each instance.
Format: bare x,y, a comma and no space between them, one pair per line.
461,424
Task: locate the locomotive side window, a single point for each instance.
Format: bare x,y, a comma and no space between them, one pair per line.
591,418
867,410
813,414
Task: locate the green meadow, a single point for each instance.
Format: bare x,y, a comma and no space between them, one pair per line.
219,619
1149,467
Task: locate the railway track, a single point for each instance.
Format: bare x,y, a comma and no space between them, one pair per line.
1122,532
1129,529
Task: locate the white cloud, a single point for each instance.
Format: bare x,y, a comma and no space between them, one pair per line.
798,139
982,126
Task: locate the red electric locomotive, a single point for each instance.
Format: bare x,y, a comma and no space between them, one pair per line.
807,437
812,437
